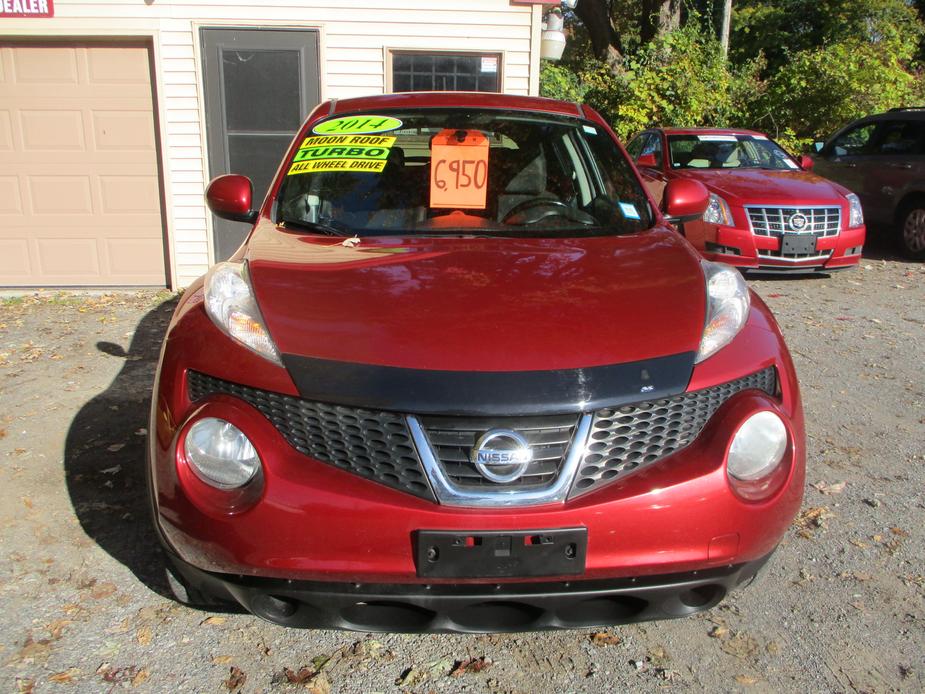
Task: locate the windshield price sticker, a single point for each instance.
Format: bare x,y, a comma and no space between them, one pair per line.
459,170
357,125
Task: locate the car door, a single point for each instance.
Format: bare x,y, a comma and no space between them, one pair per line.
650,143
846,157
894,165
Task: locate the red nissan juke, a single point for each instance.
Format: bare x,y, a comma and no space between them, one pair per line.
463,376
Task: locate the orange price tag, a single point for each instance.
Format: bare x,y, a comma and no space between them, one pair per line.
459,170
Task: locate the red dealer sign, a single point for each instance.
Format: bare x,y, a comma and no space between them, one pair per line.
27,8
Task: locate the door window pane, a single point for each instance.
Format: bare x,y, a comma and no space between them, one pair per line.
439,72
261,90
854,141
899,137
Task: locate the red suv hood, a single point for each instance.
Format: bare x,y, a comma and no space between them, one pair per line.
479,304
762,186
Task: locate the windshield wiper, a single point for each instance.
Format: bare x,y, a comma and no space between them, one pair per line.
330,227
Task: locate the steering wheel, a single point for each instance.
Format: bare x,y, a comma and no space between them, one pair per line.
553,207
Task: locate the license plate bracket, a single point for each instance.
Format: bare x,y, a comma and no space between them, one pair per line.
500,554
798,244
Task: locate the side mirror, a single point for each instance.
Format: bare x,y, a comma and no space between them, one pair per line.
647,160
230,197
806,162
818,146
685,200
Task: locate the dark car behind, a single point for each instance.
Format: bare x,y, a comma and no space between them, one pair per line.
882,159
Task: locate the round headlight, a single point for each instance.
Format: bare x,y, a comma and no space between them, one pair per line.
220,454
757,447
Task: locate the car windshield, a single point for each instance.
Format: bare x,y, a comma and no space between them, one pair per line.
460,172
727,152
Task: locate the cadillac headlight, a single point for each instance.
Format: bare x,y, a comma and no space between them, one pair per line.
231,305
728,303
855,213
718,211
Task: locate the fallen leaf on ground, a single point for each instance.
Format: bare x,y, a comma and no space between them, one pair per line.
25,685
103,590
141,677
144,636
213,621
718,632
470,665
741,646
56,628
314,681
824,488
222,659
32,651
115,447
65,676
746,680
858,543
899,532
236,679
26,501
811,519
605,638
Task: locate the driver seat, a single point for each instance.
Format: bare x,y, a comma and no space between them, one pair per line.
528,183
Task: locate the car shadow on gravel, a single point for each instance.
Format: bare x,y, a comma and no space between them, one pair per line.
104,457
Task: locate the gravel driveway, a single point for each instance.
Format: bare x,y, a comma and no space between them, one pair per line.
840,607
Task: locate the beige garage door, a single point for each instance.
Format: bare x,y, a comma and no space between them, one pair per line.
79,194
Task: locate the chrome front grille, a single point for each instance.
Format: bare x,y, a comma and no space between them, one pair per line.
453,438
429,456
775,221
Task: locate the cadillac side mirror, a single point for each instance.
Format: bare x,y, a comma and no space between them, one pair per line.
230,197
647,160
806,162
685,200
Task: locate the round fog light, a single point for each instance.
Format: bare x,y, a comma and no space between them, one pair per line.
757,447
220,454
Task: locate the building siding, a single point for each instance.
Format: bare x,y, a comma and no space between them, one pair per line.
355,37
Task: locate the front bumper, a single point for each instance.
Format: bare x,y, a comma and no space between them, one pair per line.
315,522
742,249
467,608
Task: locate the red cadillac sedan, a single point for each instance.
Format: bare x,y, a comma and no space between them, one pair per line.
462,375
768,212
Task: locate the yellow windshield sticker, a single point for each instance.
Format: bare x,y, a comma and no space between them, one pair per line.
347,152
339,152
364,140
357,125
321,165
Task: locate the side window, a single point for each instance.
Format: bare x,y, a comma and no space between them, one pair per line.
653,146
898,137
636,144
854,141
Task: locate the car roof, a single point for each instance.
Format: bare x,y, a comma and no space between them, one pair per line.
916,113
709,131
484,100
